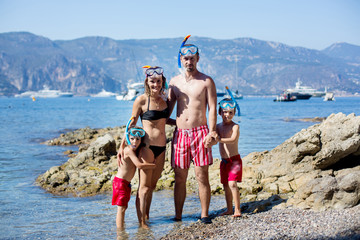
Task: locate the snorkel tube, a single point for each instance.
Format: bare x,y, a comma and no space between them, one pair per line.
127,130
232,97
182,44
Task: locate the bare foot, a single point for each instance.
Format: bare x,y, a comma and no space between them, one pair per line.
144,226
226,213
237,214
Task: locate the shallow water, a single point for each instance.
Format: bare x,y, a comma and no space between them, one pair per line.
27,212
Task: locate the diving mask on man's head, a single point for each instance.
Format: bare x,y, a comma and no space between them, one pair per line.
227,104
189,50
153,70
137,132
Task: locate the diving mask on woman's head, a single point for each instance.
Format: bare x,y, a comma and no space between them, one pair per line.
153,70
189,50
224,104
137,132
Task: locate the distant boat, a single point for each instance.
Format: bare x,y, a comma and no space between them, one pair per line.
303,92
220,93
134,90
104,93
45,93
235,94
329,96
285,97
300,96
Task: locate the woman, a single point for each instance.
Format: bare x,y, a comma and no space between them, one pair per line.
153,111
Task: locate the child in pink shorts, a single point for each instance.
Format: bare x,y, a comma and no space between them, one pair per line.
231,164
126,171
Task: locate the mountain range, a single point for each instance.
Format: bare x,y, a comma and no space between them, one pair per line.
88,65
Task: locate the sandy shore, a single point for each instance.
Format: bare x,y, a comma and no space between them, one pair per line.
278,224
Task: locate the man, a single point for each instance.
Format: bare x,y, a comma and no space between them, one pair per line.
193,92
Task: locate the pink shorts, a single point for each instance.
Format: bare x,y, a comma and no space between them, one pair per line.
121,192
188,146
231,169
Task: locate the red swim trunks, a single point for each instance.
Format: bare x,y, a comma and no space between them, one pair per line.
188,146
231,169
121,192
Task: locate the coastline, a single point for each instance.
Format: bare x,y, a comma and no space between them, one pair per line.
277,224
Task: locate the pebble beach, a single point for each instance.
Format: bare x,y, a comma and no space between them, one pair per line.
277,224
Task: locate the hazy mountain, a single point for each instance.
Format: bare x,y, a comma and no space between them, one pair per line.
30,62
89,64
348,52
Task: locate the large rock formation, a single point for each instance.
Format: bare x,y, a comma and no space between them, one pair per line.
318,168
91,170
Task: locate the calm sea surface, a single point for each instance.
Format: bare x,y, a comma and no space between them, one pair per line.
27,212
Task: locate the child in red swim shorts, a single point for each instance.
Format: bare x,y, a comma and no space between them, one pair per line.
231,164
126,171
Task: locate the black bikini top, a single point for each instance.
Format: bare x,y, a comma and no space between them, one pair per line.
154,114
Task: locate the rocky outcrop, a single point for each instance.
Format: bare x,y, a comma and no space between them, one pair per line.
317,168
91,170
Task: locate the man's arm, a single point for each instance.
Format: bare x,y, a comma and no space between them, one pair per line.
212,102
171,100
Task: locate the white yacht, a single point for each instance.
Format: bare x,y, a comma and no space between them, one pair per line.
299,89
134,90
45,93
104,93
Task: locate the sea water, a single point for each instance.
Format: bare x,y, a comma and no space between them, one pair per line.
28,212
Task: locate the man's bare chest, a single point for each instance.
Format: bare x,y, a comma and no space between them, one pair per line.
191,89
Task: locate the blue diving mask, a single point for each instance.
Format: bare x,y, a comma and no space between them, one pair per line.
227,104
137,132
190,50
154,70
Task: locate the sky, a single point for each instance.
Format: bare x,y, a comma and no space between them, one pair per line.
314,24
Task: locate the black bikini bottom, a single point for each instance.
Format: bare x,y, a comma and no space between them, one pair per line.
157,150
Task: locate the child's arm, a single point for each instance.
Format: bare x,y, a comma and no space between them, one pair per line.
120,154
234,136
141,165
135,115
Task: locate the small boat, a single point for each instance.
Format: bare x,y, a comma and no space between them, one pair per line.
285,97
329,96
134,90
